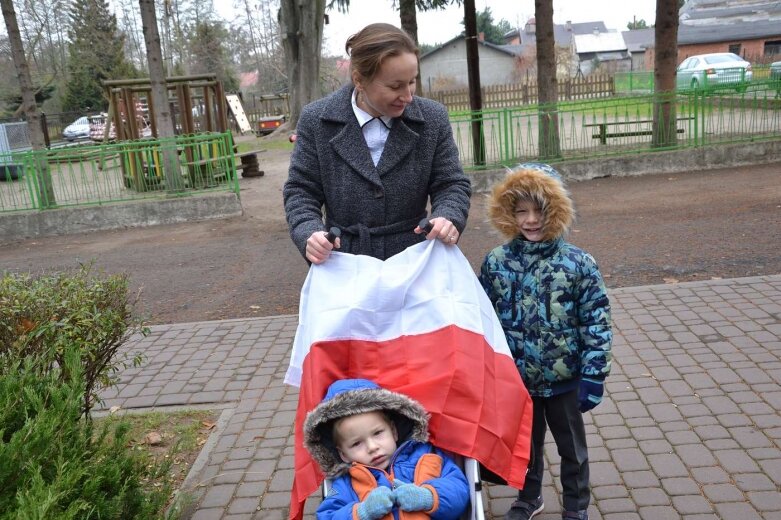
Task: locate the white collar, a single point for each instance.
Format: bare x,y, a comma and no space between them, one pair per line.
364,117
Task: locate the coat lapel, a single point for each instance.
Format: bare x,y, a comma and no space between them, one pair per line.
402,139
348,143
350,146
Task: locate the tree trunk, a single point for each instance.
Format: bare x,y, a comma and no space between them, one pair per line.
665,63
30,108
159,93
301,27
547,85
473,74
409,23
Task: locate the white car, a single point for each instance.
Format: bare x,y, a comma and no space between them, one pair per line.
79,129
706,70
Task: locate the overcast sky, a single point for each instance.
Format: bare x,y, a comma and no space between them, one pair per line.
442,25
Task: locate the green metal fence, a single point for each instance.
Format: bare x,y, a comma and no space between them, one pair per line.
618,126
115,172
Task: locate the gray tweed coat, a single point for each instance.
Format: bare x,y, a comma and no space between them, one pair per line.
332,175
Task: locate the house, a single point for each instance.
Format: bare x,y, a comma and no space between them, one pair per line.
563,35
637,41
602,51
749,28
444,67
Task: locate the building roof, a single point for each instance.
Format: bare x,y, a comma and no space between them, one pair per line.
710,12
511,50
587,27
638,40
562,33
737,30
600,42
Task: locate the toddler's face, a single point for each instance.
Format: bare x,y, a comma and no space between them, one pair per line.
367,438
530,220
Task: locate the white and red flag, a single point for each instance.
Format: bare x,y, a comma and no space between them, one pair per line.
418,323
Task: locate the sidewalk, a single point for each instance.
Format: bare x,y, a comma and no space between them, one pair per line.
690,427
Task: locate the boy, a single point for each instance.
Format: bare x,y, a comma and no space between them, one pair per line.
353,435
553,306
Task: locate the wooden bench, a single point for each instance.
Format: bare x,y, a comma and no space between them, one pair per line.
604,134
211,168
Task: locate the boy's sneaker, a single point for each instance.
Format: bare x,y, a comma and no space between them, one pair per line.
575,515
524,510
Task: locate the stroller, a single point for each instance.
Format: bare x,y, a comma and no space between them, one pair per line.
418,324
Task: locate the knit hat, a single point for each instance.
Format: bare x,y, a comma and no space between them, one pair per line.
347,397
540,183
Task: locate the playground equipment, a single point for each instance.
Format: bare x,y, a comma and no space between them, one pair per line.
197,104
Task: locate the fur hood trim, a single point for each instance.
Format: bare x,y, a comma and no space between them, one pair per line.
544,185
353,396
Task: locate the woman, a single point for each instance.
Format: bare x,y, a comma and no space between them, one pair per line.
371,156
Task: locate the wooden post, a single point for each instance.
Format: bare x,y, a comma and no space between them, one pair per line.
208,105
222,116
45,129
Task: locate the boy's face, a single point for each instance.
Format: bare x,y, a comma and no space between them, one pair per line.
529,219
367,438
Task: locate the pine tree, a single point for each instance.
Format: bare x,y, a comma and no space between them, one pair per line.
96,52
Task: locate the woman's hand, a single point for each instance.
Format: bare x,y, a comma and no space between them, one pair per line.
318,247
442,229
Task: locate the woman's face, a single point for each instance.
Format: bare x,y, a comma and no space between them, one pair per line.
392,88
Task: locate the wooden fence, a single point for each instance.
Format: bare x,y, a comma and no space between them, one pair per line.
525,92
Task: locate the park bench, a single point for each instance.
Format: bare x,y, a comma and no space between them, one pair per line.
245,162
606,128
248,163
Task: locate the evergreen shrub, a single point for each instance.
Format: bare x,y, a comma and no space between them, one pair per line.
55,463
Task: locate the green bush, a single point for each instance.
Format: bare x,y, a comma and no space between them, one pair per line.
42,317
55,463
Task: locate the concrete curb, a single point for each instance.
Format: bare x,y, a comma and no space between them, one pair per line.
664,162
141,213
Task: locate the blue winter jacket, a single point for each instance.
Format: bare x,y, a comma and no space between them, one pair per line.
452,487
553,306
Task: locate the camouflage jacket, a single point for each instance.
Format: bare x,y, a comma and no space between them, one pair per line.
554,309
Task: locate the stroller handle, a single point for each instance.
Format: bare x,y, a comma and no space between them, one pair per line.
426,225
333,234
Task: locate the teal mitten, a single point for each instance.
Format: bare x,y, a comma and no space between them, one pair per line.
377,504
590,393
410,497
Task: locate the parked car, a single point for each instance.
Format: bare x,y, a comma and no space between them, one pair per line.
79,129
706,70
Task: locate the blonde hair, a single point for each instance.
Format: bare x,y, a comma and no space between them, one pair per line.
373,44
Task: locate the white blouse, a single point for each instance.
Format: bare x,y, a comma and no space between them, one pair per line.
375,129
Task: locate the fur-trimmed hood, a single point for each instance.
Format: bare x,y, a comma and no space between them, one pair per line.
353,396
544,185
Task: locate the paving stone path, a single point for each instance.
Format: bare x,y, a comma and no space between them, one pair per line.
690,427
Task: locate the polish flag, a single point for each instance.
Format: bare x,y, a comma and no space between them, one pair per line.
418,323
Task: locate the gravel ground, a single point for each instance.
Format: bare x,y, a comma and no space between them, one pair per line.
651,229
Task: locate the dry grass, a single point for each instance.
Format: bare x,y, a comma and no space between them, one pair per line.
175,438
